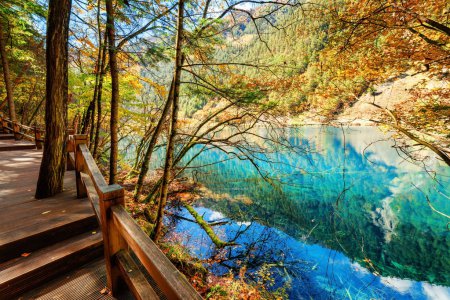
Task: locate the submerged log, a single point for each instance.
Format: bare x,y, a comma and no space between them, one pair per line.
207,228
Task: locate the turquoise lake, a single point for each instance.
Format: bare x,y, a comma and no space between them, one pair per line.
347,219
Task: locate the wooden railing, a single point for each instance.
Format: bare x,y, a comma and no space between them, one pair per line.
122,236
20,131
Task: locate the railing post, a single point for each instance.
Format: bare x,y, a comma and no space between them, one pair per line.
70,149
5,126
37,138
2,129
79,164
112,240
16,130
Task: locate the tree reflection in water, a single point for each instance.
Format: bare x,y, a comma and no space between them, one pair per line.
346,221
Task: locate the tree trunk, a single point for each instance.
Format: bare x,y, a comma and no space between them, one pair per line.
90,120
99,97
98,72
27,104
35,112
92,125
18,79
51,173
173,124
114,92
87,117
140,152
6,75
98,76
151,146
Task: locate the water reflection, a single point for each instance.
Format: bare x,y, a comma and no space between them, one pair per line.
350,219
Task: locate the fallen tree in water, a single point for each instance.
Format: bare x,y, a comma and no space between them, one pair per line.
207,228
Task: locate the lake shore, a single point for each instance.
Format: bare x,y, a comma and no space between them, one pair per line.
183,190
186,190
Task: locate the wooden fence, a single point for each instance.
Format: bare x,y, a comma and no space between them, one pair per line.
20,131
121,235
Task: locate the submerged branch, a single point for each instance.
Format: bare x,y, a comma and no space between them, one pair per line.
207,228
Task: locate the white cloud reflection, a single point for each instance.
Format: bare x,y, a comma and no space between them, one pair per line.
400,285
436,292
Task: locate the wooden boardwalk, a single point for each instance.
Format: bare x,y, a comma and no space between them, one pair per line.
9,144
43,239
54,248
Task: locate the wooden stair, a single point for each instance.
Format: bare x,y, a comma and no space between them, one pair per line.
40,240
6,136
9,143
17,147
33,235
41,247
25,273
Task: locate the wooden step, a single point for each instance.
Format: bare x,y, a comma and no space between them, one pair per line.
6,136
40,266
17,147
43,227
85,283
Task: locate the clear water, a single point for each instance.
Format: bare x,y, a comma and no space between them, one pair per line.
348,220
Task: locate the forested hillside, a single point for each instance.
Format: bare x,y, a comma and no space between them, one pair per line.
325,57
316,57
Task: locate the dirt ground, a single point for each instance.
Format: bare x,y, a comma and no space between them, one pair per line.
395,92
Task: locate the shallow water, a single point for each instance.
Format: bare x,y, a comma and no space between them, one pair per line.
349,219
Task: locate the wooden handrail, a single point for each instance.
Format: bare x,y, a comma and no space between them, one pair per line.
170,281
134,278
20,131
121,234
92,195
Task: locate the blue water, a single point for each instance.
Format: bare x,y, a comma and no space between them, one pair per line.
348,218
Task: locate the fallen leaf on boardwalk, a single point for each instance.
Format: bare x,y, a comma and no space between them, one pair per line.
94,232
46,212
25,254
105,291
